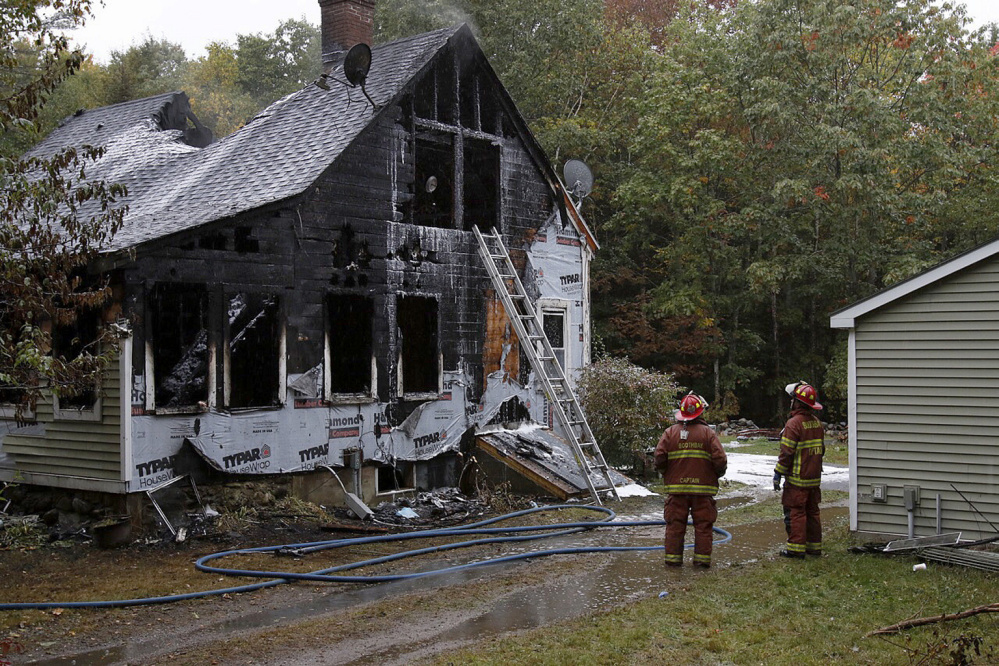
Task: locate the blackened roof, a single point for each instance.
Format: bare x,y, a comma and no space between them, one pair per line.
281,152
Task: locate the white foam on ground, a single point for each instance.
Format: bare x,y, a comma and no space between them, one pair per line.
758,470
634,490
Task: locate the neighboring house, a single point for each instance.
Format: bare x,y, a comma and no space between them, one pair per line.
308,292
924,401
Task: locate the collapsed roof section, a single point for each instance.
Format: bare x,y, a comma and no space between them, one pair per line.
542,459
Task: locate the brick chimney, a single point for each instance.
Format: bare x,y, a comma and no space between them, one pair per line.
344,24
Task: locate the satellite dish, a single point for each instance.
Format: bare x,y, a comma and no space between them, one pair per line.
357,63
578,178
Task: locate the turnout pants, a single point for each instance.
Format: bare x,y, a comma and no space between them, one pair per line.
805,533
704,512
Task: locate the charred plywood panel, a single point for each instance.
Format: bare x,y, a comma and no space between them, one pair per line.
500,350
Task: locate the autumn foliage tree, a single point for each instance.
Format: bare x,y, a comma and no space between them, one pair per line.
53,222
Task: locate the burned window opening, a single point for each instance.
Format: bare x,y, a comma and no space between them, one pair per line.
179,334
244,242
433,196
350,341
425,99
69,342
444,78
469,101
395,477
434,98
254,351
490,118
480,196
419,358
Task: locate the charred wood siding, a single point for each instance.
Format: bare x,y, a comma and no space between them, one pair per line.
350,235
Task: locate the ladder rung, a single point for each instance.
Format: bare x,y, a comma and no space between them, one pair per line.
518,296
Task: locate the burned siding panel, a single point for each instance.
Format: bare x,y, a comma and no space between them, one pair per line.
250,254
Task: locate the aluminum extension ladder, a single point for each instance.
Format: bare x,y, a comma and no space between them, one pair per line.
528,327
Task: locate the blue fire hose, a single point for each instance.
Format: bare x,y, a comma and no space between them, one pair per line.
512,535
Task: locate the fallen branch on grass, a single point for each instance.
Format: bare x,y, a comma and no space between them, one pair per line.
920,621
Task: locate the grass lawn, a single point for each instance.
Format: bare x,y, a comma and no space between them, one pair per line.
775,611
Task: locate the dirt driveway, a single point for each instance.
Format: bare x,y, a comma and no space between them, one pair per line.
388,623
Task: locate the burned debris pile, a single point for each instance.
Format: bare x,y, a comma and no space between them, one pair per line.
444,506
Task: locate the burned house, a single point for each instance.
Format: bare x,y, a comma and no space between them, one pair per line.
306,295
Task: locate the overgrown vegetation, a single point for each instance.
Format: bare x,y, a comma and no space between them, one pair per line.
628,407
53,221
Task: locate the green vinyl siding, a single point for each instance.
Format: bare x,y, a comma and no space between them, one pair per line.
927,397
78,448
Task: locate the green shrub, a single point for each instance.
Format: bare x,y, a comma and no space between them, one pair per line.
627,406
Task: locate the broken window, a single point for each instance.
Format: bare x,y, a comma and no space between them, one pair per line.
179,335
419,357
433,199
69,342
395,477
254,356
351,361
553,320
481,184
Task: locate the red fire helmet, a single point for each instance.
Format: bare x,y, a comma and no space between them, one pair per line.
691,406
806,393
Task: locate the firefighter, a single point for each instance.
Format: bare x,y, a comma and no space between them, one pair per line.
691,459
800,463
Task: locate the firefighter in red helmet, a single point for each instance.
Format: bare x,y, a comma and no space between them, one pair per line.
691,459
800,463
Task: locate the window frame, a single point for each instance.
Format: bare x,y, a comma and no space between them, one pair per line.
563,308
345,397
92,413
150,352
401,389
282,353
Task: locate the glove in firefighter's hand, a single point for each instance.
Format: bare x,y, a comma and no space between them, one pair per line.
776,481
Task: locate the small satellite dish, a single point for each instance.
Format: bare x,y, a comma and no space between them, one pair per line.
431,184
578,178
357,63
